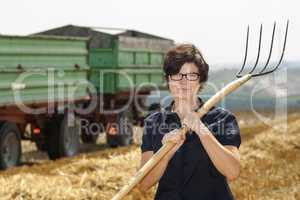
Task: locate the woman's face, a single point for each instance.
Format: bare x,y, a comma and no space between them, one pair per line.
184,88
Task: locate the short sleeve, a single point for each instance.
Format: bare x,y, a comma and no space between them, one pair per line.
230,135
147,139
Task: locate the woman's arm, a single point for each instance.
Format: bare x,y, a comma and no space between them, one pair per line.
225,158
156,173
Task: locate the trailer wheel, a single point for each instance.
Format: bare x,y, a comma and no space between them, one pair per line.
125,131
39,144
124,136
112,140
63,138
70,136
51,131
90,135
10,145
89,138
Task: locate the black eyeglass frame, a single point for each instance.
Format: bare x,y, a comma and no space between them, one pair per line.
187,77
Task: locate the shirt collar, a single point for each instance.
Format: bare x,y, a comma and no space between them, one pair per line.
168,108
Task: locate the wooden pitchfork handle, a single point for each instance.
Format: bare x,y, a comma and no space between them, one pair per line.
154,160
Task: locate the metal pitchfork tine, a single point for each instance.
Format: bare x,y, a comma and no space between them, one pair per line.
263,72
214,100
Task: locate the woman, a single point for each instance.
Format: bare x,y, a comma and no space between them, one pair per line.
200,164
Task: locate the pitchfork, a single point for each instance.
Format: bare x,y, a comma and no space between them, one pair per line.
208,105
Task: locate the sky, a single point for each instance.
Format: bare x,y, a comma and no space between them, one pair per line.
217,28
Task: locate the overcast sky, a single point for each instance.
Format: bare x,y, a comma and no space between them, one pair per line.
218,28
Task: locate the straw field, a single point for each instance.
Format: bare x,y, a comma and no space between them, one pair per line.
270,167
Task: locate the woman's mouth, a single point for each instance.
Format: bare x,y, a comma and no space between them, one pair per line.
184,89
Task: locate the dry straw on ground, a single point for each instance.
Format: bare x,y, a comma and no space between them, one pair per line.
270,169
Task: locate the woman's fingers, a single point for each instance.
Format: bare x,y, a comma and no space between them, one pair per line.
178,145
183,136
174,136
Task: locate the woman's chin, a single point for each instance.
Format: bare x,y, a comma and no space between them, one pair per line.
184,95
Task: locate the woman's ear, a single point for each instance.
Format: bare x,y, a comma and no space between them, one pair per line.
166,83
199,88
202,85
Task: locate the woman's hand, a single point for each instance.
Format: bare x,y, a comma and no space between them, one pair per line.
193,122
175,137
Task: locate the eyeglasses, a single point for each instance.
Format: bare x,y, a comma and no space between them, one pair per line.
188,76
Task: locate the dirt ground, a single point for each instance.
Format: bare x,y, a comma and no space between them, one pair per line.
270,157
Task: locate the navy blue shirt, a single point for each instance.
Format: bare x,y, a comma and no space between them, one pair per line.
190,174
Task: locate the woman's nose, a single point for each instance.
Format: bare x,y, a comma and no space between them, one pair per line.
183,80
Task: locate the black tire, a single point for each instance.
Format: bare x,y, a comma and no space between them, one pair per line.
10,145
125,131
124,136
69,136
51,131
40,145
90,134
89,138
112,141
63,138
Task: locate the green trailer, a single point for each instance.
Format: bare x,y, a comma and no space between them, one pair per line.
125,66
40,77
120,54
26,62
63,87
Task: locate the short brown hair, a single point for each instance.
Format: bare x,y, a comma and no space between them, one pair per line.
185,53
